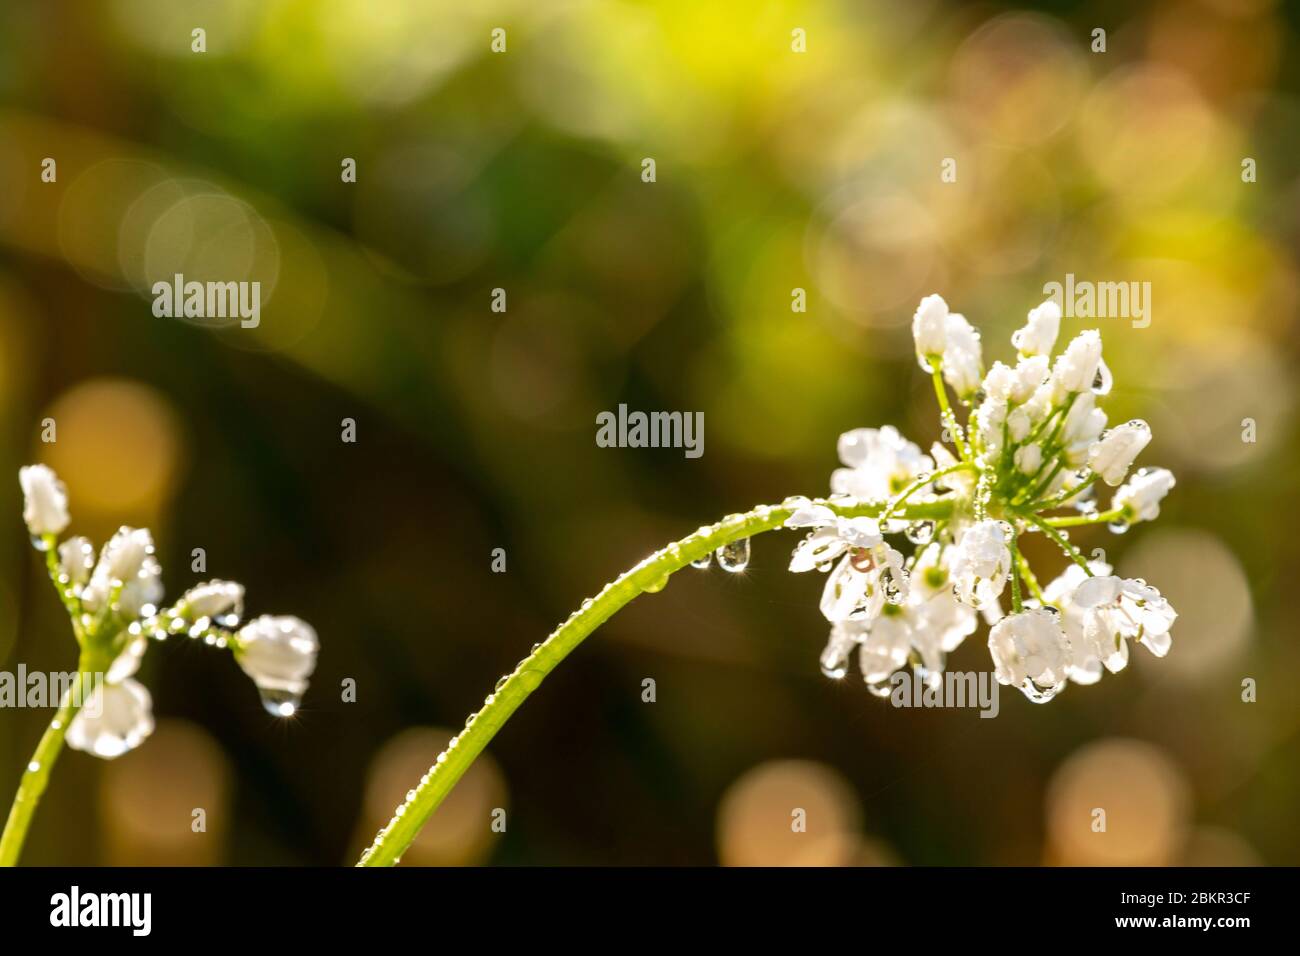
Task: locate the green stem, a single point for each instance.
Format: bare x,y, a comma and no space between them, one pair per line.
1070,550
1075,521
945,412
1016,605
1065,496
37,775
1028,576
649,576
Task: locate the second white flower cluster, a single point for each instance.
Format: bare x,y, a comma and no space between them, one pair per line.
114,602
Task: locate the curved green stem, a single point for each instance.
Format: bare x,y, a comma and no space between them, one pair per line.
37,775
649,576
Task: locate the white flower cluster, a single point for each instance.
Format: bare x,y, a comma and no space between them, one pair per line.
1035,441
113,603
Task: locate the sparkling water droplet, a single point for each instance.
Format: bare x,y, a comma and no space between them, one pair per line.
734,556
280,703
1040,695
920,532
1103,380
704,562
656,584
39,543
502,682
880,688
1118,526
34,767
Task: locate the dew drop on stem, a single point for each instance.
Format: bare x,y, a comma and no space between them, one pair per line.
734,556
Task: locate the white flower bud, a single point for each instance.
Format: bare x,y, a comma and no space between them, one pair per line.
1114,453
1029,458
211,599
1141,495
126,561
963,364
929,327
76,558
1039,333
1083,425
278,653
1076,367
45,500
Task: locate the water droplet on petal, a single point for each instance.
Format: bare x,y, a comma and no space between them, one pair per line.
280,703
1103,380
920,532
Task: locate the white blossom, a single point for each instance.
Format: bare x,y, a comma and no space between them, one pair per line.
1141,495
45,500
923,629
1039,333
980,562
118,715
1087,659
869,572
1030,651
1113,454
879,463
1118,610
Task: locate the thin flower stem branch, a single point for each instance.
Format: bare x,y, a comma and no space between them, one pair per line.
1083,520
920,483
1016,605
1028,576
1065,496
1070,550
945,412
649,576
37,775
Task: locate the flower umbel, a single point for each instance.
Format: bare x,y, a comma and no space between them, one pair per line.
1034,442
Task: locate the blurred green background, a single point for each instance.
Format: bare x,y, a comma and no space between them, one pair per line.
521,170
